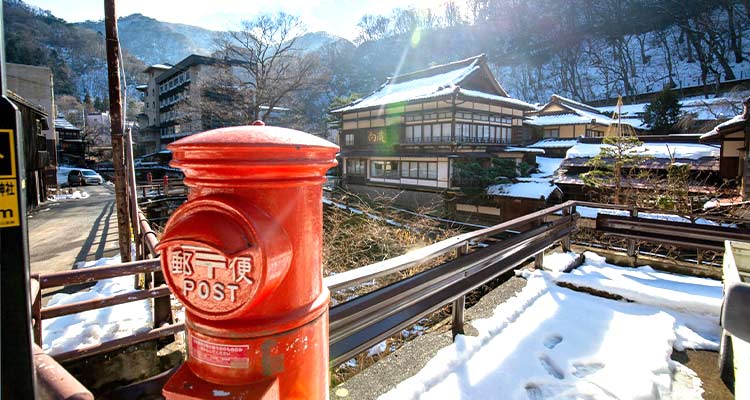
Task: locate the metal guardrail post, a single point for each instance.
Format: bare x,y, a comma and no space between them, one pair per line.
631,242
457,312
36,310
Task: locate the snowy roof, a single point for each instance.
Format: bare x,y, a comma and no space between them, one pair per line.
141,87
62,123
554,143
578,113
565,119
734,124
526,190
442,80
524,150
691,151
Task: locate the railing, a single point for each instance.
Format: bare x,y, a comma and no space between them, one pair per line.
360,323
457,139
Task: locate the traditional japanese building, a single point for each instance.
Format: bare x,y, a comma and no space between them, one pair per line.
410,133
734,136
563,118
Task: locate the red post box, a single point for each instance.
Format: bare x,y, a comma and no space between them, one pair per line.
243,255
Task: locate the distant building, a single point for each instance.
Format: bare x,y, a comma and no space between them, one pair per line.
148,138
734,136
72,144
407,138
563,118
660,152
36,85
40,174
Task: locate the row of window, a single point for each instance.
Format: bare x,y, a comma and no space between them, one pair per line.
554,133
441,133
168,101
174,82
500,119
393,169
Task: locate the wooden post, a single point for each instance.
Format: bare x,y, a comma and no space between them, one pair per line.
133,194
115,112
539,260
457,313
631,242
564,242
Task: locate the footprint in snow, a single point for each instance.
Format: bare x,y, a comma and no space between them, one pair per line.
533,391
582,369
552,340
550,367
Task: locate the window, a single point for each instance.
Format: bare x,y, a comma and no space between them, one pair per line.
384,169
355,166
419,170
593,133
552,133
349,139
506,134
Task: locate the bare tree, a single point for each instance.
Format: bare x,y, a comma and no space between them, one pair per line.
264,55
372,28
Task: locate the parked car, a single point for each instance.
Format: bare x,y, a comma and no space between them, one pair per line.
78,177
92,177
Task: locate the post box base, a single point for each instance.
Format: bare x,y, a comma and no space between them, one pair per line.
184,385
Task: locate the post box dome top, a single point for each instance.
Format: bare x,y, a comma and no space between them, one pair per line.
257,134
252,153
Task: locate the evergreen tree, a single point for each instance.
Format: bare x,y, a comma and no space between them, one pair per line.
617,160
663,112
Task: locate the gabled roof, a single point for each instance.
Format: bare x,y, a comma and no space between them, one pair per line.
736,124
65,125
439,81
574,113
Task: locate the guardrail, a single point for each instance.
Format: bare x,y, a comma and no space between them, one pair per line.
361,322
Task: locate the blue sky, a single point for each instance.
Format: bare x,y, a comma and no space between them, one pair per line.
339,17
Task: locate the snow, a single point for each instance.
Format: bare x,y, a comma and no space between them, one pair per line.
428,87
564,119
75,195
413,89
525,150
715,131
527,190
692,151
538,186
70,332
592,212
552,342
554,143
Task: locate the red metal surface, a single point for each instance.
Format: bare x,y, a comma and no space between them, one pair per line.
244,256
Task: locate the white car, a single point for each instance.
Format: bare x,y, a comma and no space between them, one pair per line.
84,176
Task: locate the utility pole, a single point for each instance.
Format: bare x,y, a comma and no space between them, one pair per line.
116,118
18,375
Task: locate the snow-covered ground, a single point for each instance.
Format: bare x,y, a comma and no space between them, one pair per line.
553,342
75,331
538,186
593,212
74,195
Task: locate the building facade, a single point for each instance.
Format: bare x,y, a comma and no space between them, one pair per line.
416,128
36,85
563,118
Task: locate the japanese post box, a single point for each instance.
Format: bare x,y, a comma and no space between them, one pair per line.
243,255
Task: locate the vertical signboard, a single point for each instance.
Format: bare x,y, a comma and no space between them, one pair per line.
9,215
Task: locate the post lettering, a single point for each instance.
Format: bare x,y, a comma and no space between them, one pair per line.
203,289
218,291
187,286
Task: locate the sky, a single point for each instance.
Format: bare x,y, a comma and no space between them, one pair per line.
338,17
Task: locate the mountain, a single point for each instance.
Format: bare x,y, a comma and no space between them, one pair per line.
76,55
320,41
157,42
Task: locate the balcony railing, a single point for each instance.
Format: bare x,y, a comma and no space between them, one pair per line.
457,139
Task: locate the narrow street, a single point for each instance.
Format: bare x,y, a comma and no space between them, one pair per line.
64,232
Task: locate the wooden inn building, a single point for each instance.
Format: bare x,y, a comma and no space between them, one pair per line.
409,133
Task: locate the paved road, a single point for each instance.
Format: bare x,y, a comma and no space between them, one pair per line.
67,231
